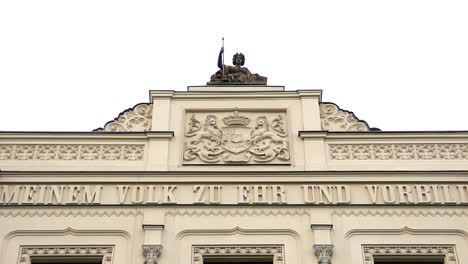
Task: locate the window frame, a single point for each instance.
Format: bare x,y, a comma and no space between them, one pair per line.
410,252
220,252
60,251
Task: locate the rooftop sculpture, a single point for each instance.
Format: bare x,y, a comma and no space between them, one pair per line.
235,75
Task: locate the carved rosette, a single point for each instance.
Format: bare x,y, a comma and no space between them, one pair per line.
323,253
234,137
335,119
136,119
151,253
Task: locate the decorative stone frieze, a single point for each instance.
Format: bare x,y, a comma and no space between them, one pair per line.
445,251
136,119
236,212
151,253
406,151
229,251
335,119
401,213
323,253
68,152
69,213
236,137
26,253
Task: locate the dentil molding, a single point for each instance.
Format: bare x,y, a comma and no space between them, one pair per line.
372,251
230,251
28,252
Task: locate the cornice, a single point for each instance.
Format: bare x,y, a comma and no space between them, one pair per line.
19,135
397,135
235,176
235,94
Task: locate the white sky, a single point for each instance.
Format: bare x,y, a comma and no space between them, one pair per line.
74,65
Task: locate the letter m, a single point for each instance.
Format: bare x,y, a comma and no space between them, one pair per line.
7,196
92,197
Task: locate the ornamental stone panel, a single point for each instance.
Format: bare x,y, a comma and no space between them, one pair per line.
236,137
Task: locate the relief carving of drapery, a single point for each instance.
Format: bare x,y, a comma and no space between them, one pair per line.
234,137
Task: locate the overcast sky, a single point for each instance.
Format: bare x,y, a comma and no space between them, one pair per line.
74,65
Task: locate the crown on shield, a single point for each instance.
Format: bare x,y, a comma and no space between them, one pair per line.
236,120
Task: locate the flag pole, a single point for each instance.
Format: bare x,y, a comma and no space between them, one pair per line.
223,55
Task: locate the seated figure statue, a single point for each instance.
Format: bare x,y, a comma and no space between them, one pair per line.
231,75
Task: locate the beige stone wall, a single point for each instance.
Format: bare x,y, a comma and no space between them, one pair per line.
232,226
267,180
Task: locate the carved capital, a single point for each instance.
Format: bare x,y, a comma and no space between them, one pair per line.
151,253
323,253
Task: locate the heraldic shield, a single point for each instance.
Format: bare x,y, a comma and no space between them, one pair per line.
236,142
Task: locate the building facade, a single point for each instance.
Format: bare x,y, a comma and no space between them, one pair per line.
234,174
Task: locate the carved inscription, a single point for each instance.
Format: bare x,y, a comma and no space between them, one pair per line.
233,194
236,137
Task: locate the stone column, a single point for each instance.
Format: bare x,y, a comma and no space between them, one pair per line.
152,244
323,248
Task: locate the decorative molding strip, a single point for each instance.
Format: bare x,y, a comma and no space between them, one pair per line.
424,213
26,252
416,151
238,231
446,251
114,152
136,119
407,230
199,213
68,213
67,232
200,252
335,119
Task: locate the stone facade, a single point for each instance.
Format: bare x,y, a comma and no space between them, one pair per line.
252,173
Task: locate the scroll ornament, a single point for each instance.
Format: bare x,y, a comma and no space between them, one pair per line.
335,119
136,119
236,142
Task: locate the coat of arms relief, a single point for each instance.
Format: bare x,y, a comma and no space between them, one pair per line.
236,137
